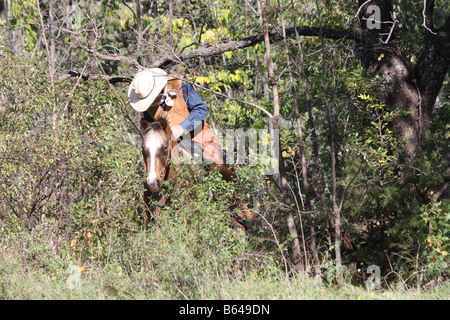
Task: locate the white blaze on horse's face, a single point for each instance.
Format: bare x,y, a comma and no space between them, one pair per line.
153,144
155,148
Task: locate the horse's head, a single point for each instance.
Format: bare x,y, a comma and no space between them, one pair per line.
156,150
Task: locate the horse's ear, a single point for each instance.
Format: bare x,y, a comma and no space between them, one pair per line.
144,124
163,123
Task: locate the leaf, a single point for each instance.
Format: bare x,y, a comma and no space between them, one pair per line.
363,96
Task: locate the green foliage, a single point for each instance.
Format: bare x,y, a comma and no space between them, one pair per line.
71,170
65,156
71,189
436,216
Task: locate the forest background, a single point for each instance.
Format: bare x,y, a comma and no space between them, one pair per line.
357,90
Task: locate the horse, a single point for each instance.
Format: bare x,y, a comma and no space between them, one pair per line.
157,147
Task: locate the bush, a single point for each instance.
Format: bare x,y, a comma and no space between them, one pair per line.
72,195
71,190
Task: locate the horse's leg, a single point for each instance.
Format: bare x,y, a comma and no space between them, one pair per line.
152,211
147,213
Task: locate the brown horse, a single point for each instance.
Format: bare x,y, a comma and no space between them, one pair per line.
157,150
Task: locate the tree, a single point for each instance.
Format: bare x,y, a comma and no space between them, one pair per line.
409,89
296,252
357,82
412,88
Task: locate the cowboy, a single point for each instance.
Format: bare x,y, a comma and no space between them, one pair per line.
157,94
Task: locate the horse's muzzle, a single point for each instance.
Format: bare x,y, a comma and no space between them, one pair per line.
153,185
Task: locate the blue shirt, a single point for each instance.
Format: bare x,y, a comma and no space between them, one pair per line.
197,108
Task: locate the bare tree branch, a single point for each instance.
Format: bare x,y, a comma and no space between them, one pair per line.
231,98
105,57
206,51
427,16
275,35
88,76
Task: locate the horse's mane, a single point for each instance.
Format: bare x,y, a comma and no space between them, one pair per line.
160,128
153,126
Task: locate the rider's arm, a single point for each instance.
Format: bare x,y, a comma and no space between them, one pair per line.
196,106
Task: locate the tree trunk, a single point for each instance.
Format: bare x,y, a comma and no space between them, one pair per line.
331,139
315,150
406,87
140,37
10,33
296,253
307,203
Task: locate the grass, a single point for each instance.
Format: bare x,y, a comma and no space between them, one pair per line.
191,255
20,282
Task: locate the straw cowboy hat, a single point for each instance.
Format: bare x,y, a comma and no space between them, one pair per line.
145,87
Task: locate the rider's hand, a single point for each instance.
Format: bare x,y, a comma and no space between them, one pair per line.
177,131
